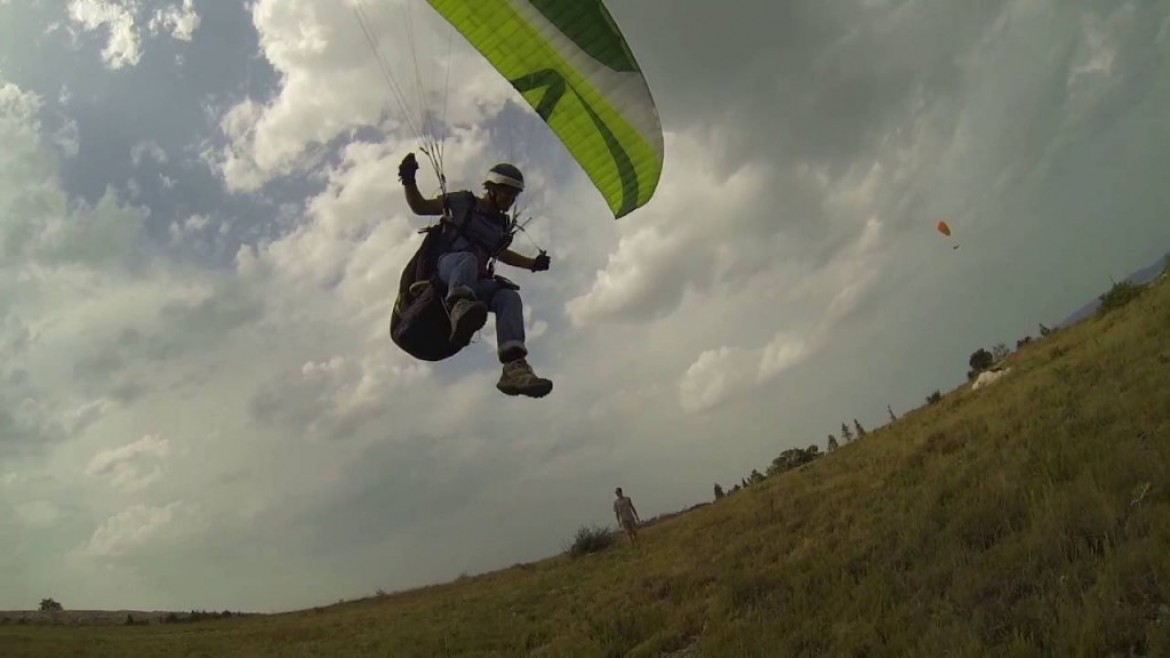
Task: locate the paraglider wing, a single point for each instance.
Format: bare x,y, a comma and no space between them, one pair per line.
573,66
945,229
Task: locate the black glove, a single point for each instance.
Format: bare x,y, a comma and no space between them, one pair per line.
540,263
407,168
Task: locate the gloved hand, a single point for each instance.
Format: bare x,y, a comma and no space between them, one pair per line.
407,168
540,263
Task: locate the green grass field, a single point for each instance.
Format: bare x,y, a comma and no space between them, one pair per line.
1029,518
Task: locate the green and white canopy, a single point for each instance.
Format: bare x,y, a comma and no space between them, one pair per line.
571,63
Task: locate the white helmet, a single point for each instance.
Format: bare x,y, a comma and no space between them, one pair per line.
506,174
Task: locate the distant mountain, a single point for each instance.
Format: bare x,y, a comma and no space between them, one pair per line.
1142,276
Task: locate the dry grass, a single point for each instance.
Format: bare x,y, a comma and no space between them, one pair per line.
1031,518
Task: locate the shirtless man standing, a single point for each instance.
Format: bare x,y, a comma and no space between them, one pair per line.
627,515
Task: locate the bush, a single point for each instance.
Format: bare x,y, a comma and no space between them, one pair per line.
979,361
1119,295
49,605
591,540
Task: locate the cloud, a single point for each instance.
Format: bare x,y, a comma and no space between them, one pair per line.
85,414
37,512
148,149
181,22
122,21
38,223
137,529
826,298
67,138
126,466
686,237
123,47
334,81
29,421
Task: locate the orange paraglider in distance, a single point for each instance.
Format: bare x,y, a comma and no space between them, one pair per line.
945,229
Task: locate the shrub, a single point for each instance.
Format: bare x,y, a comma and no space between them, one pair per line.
591,540
49,605
1119,295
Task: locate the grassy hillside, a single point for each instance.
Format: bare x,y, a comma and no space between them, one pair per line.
1029,518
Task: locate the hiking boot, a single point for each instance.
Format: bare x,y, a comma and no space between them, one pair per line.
467,317
518,379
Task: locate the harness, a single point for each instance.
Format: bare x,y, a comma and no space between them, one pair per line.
419,323
490,234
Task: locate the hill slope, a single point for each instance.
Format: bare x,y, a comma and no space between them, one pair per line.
1029,518
1143,276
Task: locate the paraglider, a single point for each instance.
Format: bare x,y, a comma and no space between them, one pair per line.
572,65
945,229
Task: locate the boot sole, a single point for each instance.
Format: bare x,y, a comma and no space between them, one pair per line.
532,392
470,322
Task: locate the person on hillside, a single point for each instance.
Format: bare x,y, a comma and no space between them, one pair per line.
627,515
476,231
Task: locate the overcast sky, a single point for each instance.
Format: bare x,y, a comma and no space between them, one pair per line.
201,231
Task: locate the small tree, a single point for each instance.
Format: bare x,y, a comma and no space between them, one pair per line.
755,477
832,444
1044,331
845,433
1119,295
718,491
980,360
890,411
934,397
49,605
860,430
792,458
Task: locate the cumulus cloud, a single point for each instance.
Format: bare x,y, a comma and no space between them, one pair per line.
333,82
686,236
67,138
180,21
147,149
123,46
133,466
139,528
121,20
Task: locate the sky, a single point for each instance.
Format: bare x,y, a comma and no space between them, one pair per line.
201,231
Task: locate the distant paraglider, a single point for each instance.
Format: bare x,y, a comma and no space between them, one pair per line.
945,229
